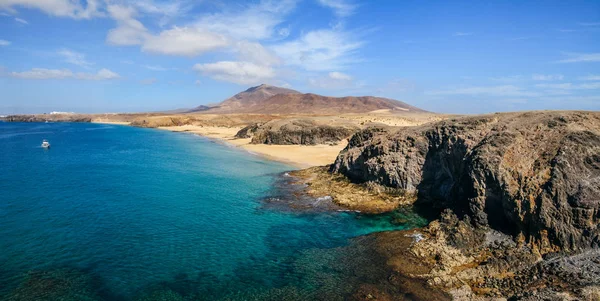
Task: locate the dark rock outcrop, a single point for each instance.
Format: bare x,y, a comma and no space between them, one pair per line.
248,131
300,131
533,175
477,263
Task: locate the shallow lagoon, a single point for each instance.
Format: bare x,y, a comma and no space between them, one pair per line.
116,212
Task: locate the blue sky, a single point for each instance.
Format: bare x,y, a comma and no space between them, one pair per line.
443,56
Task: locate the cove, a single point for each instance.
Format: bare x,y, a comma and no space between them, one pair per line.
120,213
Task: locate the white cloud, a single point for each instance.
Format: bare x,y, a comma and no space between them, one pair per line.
233,30
129,31
590,77
256,53
254,22
570,86
184,41
462,34
103,74
339,76
581,57
74,58
42,73
506,90
22,21
59,8
230,30
165,10
197,82
332,81
536,77
320,50
255,65
126,35
243,73
547,77
283,32
341,8
4,43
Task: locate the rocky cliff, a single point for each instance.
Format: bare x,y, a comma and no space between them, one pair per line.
248,131
298,131
533,175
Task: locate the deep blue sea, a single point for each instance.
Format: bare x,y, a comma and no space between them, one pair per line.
120,213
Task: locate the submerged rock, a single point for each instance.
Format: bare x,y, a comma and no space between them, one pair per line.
368,197
60,284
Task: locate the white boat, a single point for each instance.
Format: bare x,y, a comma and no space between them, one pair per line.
45,144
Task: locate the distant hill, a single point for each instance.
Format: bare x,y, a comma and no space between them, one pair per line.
199,108
265,99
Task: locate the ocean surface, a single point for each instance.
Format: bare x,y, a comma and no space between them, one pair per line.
121,213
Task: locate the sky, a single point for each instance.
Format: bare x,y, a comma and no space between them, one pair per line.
92,56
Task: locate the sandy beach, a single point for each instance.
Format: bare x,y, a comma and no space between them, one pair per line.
224,128
301,156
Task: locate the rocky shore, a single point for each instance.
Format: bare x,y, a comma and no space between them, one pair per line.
297,131
48,118
518,193
368,198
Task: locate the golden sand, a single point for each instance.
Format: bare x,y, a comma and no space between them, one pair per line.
297,155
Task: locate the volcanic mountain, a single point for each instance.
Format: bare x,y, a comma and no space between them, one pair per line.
265,99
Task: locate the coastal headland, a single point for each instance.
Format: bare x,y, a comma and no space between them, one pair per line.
516,195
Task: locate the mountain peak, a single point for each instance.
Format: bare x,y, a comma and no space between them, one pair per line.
259,87
267,99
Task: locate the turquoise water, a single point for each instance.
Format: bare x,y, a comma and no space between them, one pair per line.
129,212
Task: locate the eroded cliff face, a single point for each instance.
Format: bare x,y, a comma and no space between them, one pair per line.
533,175
300,131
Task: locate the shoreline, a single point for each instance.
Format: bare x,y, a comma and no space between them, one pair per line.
299,156
377,251
451,255
238,144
